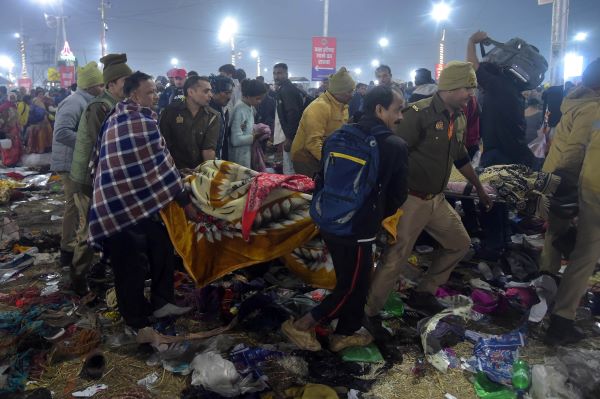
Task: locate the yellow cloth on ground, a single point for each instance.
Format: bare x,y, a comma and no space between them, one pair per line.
309,391
214,246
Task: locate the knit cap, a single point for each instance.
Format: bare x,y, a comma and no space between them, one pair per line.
89,75
456,75
341,82
115,67
591,75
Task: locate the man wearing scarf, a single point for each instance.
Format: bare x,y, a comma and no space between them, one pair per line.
135,177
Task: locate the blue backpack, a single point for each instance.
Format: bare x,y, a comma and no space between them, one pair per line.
349,172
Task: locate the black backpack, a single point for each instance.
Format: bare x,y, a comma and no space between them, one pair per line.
522,60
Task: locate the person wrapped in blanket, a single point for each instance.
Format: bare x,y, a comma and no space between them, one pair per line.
135,177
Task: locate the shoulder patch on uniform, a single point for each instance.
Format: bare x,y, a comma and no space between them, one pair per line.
415,107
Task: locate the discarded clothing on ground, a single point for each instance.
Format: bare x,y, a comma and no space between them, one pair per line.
521,187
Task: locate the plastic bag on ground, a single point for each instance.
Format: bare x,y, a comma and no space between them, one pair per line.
394,304
486,389
495,356
364,354
219,375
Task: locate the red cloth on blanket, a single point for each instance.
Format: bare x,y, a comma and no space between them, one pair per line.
260,187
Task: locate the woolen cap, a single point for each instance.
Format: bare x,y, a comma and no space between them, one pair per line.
115,67
591,75
341,82
89,75
456,75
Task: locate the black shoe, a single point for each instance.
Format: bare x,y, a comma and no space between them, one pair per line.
425,302
562,332
100,272
374,326
66,257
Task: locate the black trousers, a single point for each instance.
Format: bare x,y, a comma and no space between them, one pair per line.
138,251
353,263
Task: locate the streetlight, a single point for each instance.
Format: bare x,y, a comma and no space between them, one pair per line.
573,65
256,55
174,62
440,13
384,42
581,36
375,63
17,35
357,71
227,32
8,64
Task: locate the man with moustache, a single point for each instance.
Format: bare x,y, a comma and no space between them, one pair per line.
435,131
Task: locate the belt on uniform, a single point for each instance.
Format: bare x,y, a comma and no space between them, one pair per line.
423,196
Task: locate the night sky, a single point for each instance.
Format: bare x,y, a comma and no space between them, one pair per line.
151,32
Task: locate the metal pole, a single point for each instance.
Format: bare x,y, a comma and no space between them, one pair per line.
258,65
325,17
104,28
232,42
560,20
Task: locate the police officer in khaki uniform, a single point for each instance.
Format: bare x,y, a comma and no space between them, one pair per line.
191,128
575,151
434,129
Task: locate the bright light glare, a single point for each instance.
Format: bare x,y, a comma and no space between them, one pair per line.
6,62
384,42
228,29
254,53
375,63
440,11
266,69
357,71
46,2
17,35
413,75
573,65
581,36
174,61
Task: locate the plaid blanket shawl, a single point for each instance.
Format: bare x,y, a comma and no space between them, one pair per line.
135,175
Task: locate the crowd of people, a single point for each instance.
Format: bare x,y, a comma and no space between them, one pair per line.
123,143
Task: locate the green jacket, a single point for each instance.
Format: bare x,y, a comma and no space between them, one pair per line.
431,153
573,133
87,135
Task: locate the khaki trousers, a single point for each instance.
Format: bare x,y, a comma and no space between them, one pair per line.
83,255
551,257
69,222
443,223
583,260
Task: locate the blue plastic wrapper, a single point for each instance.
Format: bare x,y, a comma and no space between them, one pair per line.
496,355
248,360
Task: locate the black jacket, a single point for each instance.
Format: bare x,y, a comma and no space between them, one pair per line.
289,108
266,111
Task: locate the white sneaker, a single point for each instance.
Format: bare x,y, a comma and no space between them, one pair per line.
170,310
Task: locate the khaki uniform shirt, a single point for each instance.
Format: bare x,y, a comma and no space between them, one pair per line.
187,136
435,142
